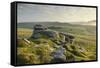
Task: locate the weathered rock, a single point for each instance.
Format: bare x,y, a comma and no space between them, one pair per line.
39,28
50,34
68,38
41,31
58,55
36,35
26,40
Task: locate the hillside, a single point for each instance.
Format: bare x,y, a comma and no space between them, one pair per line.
63,27
47,50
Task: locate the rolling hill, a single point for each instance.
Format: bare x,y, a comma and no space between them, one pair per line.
64,27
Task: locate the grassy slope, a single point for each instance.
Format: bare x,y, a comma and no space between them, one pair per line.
84,37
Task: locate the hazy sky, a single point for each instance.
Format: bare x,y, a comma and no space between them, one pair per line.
39,13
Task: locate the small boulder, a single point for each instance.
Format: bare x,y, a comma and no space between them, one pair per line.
58,55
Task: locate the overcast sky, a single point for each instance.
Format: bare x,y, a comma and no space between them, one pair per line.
40,13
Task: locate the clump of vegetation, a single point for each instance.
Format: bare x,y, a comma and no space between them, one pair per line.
37,52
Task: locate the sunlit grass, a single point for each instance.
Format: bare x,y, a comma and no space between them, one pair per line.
39,51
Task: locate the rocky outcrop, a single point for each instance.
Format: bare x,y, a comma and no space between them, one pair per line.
40,30
59,38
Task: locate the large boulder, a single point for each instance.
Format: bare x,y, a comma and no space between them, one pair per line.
47,33
39,28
